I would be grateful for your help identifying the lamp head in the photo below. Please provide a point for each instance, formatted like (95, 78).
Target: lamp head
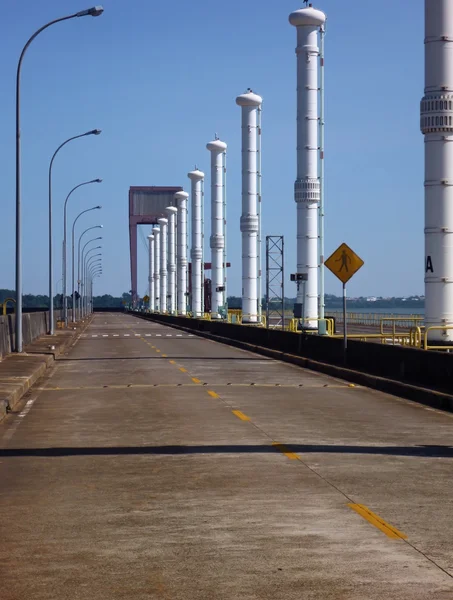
(94, 11)
(94, 132)
(98, 207)
(97, 180)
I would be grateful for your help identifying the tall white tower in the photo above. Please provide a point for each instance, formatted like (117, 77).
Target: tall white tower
(217, 240)
(437, 127)
(171, 261)
(307, 186)
(196, 253)
(181, 253)
(163, 263)
(157, 304)
(151, 273)
(250, 103)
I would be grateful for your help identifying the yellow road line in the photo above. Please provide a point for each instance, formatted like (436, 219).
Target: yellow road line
(195, 380)
(164, 356)
(213, 394)
(375, 520)
(284, 450)
(240, 415)
(172, 362)
(157, 350)
(183, 370)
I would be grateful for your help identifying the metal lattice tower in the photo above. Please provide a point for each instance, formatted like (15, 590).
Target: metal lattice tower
(275, 281)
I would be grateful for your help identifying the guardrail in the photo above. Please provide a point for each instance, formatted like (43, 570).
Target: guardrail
(396, 330)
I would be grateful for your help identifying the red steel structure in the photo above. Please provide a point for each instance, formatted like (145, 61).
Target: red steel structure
(147, 204)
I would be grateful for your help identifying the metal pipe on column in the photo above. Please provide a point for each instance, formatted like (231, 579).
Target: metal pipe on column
(151, 273)
(196, 253)
(181, 254)
(217, 149)
(307, 186)
(249, 103)
(436, 121)
(171, 259)
(157, 305)
(163, 263)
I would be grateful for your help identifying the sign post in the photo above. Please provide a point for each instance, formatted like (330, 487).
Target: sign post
(344, 263)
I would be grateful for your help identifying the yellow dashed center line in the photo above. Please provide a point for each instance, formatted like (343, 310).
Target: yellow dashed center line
(195, 380)
(172, 362)
(213, 394)
(241, 415)
(284, 450)
(376, 520)
(183, 370)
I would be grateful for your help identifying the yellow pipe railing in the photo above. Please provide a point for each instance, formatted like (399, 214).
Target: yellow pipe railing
(5, 304)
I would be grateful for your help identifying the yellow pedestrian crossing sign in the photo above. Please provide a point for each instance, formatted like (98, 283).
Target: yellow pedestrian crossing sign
(344, 263)
(146, 299)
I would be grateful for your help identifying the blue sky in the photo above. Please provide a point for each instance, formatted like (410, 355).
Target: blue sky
(161, 78)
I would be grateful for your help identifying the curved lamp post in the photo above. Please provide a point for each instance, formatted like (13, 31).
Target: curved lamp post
(75, 137)
(73, 267)
(97, 272)
(83, 275)
(95, 267)
(65, 300)
(80, 239)
(80, 275)
(95, 11)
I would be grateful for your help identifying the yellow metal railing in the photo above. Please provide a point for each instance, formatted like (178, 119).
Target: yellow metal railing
(427, 346)
(5, 304)
(293, 325)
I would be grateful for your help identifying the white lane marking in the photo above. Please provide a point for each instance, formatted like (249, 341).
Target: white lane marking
(105, 335)
(9, 434)
(158, 335)
(169, 334)
(94, 335)
(190, 335)
(137, 335)
(127, 335)
(147, 335)
(179, 335)
(116, 335)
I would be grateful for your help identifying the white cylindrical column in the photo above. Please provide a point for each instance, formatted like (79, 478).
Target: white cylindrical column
(249, 102)
(437, 126)
(171, 260)
(156, 232)
(217, 239)
(196, 252)
(163, 264)
(181, 252)
(307, 185)
(151, 273)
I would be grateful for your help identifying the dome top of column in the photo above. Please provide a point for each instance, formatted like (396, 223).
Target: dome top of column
(216, 146)
(307, 16)
(249, 99)
(195, 175)
(181, 195)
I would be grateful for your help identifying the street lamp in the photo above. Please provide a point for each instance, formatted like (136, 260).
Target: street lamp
(95, 266)
(65, 300)
(91, 132)
(95, 11)
(79, 271)
(97, 272)
(73, 268)
(82, 277)
(78, 245)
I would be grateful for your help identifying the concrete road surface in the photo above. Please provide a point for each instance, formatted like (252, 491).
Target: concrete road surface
(152, 464)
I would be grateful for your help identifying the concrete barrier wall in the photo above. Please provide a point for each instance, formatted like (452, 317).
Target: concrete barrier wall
(33, 325)
(409, 365)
